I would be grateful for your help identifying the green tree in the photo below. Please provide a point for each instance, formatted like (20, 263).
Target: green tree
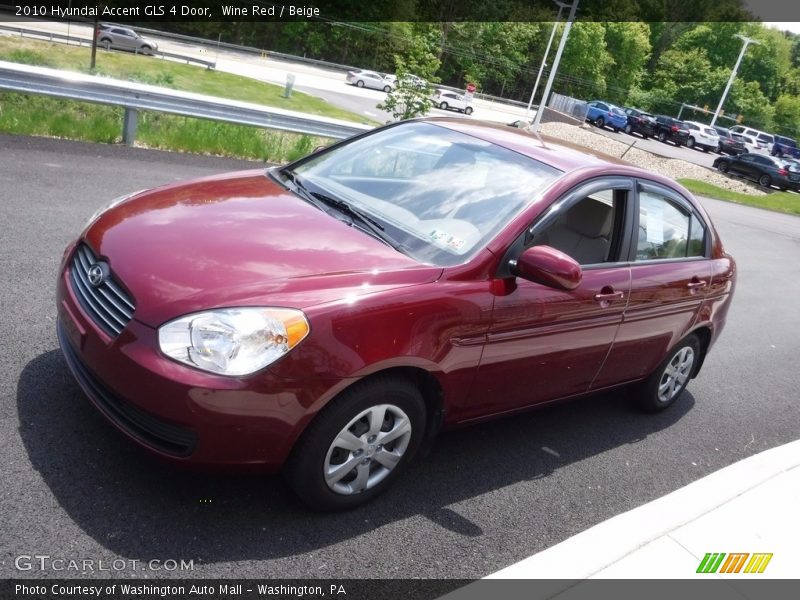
(787, 115)
(585, 61)
(628, 46)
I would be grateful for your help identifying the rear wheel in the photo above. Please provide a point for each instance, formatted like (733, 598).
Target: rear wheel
(668, 381)
(690, 142)
(600, 122)
(765, 180)
(468, 110)
(443, 106)
(723, 166)
(662, 137)
(359, 83)
(629, 129)
(387, 88)
(106, 43)
(358, 445)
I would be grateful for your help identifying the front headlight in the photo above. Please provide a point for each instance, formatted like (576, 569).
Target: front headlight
(233, 341)
(110, 205)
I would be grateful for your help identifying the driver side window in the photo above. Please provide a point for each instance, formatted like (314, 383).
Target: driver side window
(587, 230)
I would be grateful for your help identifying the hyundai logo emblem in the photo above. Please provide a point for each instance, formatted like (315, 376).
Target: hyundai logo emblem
(97, 274)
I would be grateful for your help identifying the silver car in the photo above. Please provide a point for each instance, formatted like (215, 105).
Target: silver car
(123, 38)
(369, 79)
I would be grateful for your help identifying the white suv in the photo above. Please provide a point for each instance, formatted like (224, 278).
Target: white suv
(451, 101)
(702, 136)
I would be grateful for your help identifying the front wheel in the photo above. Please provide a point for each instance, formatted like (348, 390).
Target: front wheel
(443, 106)
(600, 122)
(358, 445)
(628, 129)
(662, 137)
(387, 88)
(723, 166)
(690, 142)
(668, 381)
(765, 181)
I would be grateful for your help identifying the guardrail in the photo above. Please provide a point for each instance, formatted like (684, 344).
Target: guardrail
(51, 36)
(135, 97)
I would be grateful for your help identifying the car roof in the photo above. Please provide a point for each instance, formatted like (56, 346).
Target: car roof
(564, 156)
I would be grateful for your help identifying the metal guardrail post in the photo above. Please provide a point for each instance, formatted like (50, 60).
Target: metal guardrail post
(129, 124)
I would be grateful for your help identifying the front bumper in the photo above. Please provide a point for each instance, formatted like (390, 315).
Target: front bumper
(177, 413)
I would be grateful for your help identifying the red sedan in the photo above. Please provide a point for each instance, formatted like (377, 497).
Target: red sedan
(329, 317)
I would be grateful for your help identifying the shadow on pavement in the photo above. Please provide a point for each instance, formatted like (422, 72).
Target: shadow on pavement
(140, 508)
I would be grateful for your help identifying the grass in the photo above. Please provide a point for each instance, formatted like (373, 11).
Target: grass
(40, 115)
(784, 202)
(152, 70)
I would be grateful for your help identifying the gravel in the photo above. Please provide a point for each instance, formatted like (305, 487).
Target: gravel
(673, 168)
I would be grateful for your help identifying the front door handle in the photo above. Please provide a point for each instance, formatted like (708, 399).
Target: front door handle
(605, 297)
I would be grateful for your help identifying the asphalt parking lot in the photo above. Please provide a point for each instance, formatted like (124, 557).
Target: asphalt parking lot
(484, 498)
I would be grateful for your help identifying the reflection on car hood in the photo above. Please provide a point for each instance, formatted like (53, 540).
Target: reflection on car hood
(240, 240)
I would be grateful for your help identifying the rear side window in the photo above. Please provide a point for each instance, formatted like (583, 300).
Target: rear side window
(663, 228)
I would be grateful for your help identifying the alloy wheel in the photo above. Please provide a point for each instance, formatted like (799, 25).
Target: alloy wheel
(367, 449)
(676, 374)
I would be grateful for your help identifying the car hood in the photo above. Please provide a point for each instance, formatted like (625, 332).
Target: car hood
(240, 240)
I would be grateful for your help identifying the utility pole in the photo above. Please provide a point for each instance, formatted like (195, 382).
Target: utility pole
(747, 42)
(561, 6)
(94, 42)
(538, 118)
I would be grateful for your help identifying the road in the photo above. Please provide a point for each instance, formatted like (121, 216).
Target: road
(486, 496)
(329, 84)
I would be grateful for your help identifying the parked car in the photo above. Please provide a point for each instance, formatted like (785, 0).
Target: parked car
(344, 308)
(766, 170)
(369, 79)
(640, 122)
(761, 141)
(671, 130)
(451, 101)
(702, 136)
(604, 114)
(785, 146)
(124, 38)
(729, 143)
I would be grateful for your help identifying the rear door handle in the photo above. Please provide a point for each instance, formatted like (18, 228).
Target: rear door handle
(692, 285)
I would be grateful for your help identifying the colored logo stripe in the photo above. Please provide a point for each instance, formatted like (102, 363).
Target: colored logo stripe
(733, 564)
(758, 563)
(710, 562)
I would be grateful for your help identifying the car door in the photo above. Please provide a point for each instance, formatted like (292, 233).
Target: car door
(545, 343)
(670, 276)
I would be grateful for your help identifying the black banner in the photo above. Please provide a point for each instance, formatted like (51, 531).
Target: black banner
(155, 11)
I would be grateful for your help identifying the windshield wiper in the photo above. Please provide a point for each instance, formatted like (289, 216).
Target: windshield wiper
(318, 199)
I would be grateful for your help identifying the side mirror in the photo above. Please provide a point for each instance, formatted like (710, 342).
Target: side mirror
(317, 149)
(548, 266)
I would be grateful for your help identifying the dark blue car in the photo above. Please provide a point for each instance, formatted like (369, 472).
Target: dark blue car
(604, 114)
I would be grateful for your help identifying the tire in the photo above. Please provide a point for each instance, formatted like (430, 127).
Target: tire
(443, 106)
(106, 43)
(600, 122)
(629, 129)
(359, 83)
(765, 181)
(662, 137)
(667, 382)
(387, 88)
(690, 142)
(396, 404)
(468, 110)
(147, 50)
(723, 166)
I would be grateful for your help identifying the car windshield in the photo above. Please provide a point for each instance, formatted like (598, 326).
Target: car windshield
(618, 111)
(441, 194)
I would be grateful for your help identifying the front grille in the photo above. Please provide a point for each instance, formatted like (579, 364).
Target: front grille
(145, 427)
(107, 303)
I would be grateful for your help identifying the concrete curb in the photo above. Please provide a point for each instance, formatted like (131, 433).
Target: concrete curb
(595, 549)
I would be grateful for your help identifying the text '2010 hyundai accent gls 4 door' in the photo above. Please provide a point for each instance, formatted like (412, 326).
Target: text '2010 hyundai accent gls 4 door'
(328, 317)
